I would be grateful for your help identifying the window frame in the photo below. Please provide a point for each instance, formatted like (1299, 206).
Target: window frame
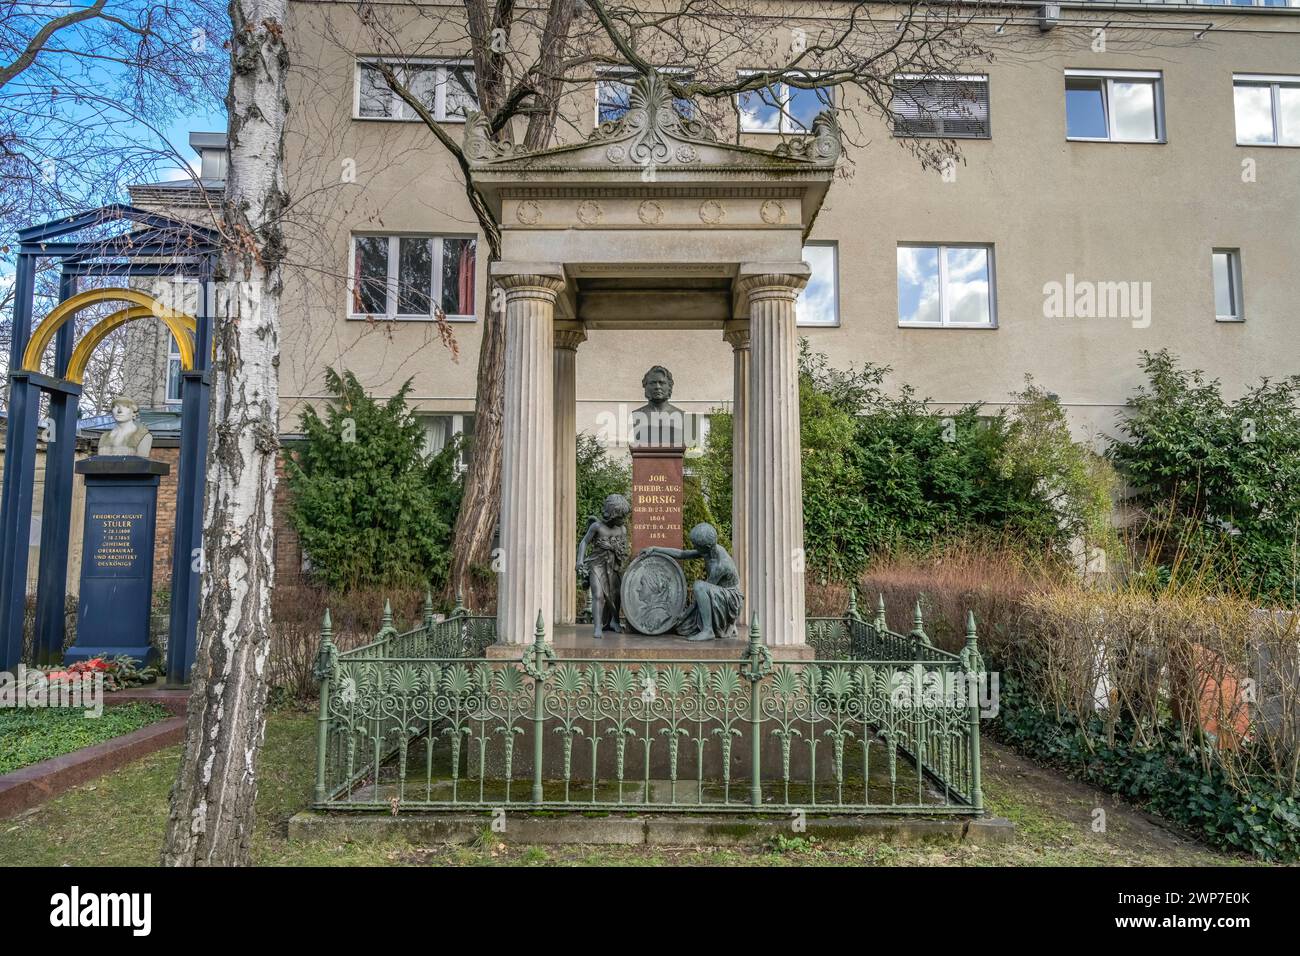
(1109, 77)
(783, 116)
(457, 428)
(391, 282)
(441, 64)
(1236, 291)
(981, 78)
(834, 246)
(944, 310)
(1273, 82)
(173, 361)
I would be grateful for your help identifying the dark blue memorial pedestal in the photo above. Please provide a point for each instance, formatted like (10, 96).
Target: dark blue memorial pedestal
(117, 559)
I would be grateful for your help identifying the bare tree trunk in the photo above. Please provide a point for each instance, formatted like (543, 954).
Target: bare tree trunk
(550, 75)
(211, 820)
(481, 500)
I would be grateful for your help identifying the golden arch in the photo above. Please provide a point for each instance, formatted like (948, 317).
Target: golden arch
(144, 306)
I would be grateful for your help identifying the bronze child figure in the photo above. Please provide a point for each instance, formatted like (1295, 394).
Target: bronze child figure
(602, 552)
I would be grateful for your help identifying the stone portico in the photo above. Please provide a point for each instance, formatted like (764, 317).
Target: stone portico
(651, 224)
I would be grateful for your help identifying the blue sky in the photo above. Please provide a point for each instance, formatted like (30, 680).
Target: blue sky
(178, 134)
(67, 96)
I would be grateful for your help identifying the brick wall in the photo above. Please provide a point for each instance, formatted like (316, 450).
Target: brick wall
(288, 549)
(165, 532)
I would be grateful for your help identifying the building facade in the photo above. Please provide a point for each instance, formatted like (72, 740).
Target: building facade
(1134, 194)
(1128, 180)
(152, 373)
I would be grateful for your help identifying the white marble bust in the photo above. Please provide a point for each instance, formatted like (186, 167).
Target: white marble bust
(127, 436)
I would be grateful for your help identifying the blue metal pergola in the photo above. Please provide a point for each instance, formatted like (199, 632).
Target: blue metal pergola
(149, 245)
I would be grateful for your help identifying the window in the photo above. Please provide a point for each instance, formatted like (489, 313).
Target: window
(445, 89)
(1114, 106)
(1251, 3)
(1268, 110)
(407, 276)
(955, 107)
(1225, 264)
(173, 371)
(818, 303)
(946, 286)
(780, 108)
(440, 429)
(614, 85)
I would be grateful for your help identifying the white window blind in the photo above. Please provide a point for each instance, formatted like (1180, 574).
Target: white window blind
(954, 107)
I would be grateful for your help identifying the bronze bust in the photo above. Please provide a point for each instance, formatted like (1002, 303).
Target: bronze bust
(658, 423)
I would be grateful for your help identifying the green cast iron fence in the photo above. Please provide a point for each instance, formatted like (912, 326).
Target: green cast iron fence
(879, 722)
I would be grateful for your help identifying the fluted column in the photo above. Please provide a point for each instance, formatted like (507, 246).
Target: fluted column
(568, 336)
(737, 336)
(526, 576)
(775, 485)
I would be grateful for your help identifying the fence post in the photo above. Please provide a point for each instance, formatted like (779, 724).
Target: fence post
(428, 609)
(974, 666)
(754, 666)
(325, 661)
(535, 666)
(918, 626)
(881, 624)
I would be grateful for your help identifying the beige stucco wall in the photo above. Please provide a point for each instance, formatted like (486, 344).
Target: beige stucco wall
(1102, 211)
(75, 526)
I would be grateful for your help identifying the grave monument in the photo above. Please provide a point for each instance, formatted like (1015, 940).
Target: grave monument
(658, 449)
(652, 223)
(117, 557)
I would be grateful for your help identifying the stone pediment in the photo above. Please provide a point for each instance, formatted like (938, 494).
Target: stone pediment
(652, 135)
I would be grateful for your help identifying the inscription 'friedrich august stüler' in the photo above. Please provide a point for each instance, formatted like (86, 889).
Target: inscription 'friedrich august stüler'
(116, 549)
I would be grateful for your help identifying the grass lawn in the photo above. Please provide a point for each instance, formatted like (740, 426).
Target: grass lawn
(30, 735)
(119, 819)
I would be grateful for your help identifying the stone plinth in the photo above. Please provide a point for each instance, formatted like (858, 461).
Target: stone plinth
(116, 594)
(576, 643)
(657, 498)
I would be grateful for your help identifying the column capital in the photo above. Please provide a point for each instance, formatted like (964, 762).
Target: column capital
(529, 279)
(569, 335)
(736, 333)
(763, 280)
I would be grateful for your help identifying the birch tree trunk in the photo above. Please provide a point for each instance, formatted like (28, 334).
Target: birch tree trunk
(211, 819)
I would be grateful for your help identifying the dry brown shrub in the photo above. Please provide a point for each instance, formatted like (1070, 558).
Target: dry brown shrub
(296, 614)
(1192, 655)
(987, 577)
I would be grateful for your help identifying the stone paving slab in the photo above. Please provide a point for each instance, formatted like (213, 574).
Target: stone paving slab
(657, 830)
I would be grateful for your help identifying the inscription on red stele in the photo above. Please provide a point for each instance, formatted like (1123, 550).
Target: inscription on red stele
(656, 499)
